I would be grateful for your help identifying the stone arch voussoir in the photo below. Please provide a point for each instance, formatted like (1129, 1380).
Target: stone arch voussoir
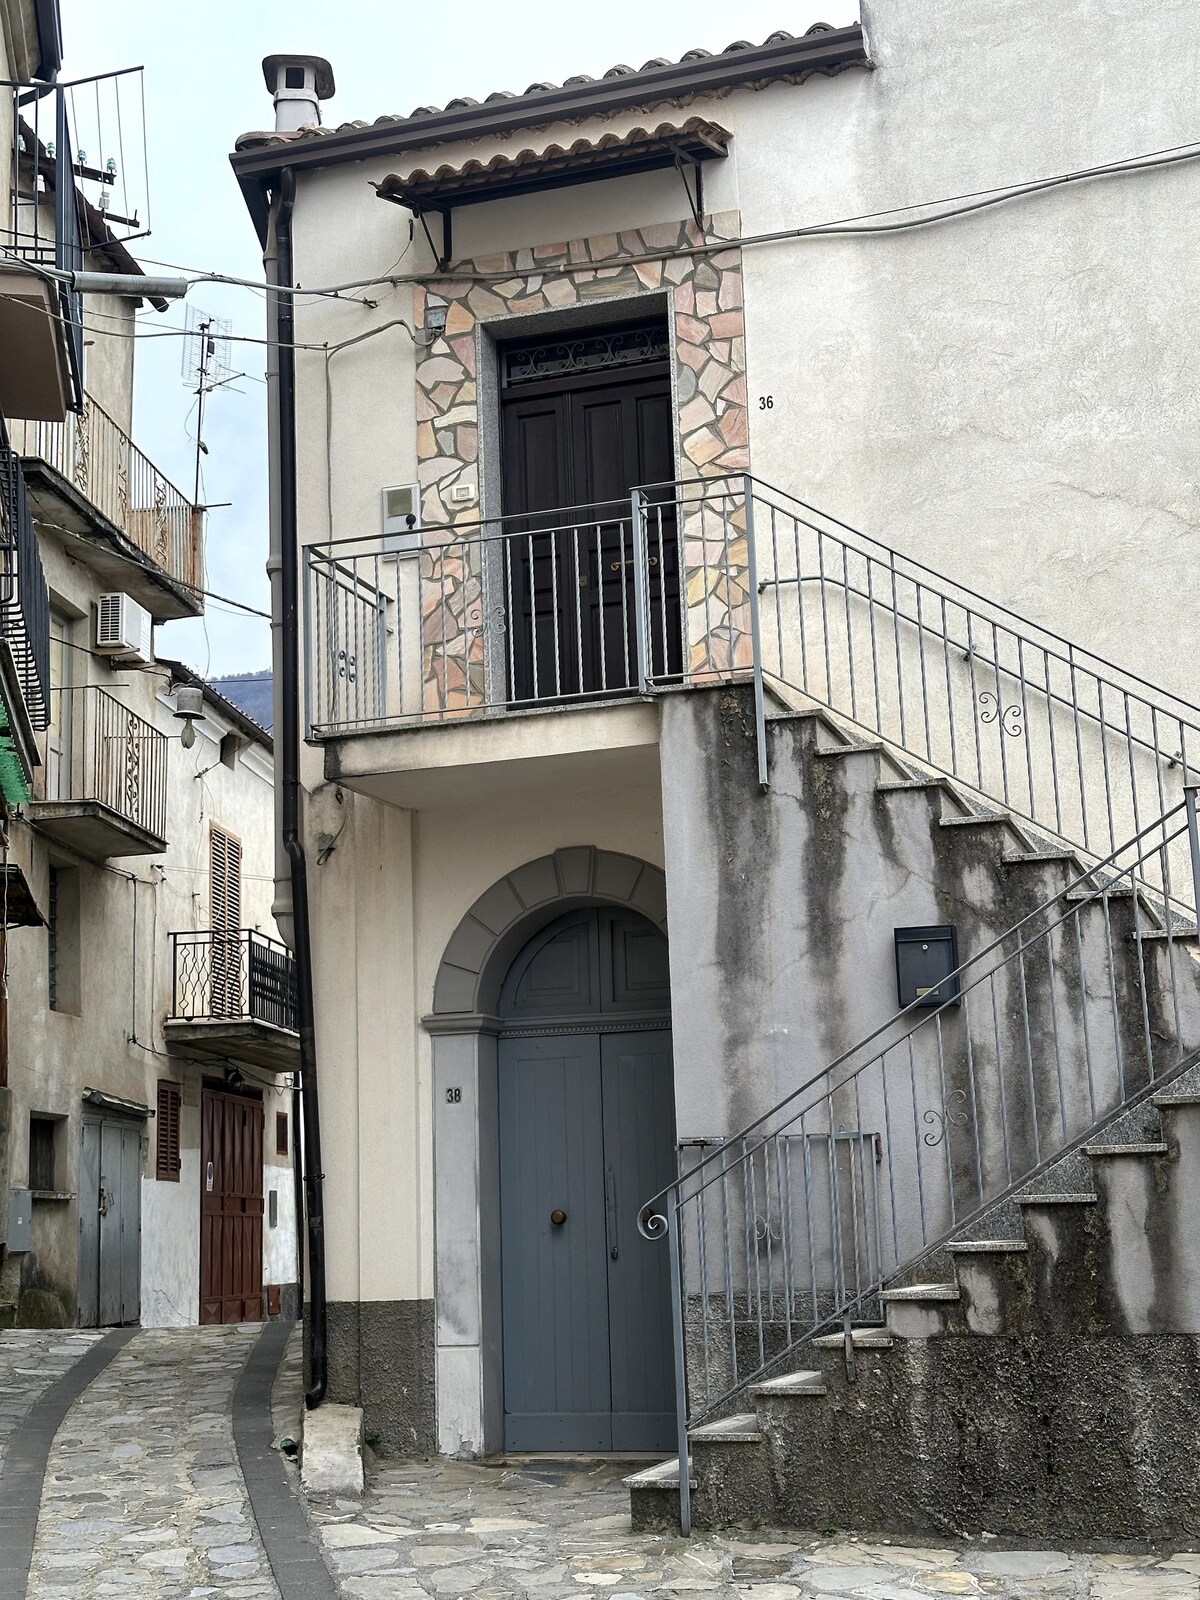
(487, 939)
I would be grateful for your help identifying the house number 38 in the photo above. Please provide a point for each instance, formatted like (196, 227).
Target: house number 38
(453, 1097)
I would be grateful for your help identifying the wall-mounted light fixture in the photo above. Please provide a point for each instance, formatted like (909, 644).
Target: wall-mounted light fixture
(189, 708)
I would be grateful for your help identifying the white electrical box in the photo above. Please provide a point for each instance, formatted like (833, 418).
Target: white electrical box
(124, 628)
(402, 518)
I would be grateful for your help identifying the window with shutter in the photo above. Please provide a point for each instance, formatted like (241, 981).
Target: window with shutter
(166, 1159)
(225, 916)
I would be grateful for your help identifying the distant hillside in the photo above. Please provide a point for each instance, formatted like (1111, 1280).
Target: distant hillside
(250, 692)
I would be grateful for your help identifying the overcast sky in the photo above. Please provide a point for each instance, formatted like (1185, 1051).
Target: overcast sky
(204, 86)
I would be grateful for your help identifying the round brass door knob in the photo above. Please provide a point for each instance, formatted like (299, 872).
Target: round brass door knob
(558, 1218)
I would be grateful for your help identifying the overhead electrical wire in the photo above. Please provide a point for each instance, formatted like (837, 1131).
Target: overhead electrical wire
(862, 225)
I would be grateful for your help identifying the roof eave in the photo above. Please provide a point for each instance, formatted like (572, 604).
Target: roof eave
(812, 53)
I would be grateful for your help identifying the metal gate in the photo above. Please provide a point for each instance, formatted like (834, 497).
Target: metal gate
(110, 1222)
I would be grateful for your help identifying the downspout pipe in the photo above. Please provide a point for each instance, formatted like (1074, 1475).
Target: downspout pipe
(288, 642)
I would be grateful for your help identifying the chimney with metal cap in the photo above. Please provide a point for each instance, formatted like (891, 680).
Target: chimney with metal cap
(299, 84)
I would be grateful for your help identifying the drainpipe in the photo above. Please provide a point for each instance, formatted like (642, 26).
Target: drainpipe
(292, 909)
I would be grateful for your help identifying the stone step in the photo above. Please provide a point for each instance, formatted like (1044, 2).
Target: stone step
(791, 1383)
(1051, 1199)
(1145, 1148)
(921, 1291)
(662, 1475)
(861, 1338)
(742, 1429)
(987, 1247)
(1172, 1102)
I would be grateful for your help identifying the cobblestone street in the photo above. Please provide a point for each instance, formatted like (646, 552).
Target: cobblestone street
(147, 1494)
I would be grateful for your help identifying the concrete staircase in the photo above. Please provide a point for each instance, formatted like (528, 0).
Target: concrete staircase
(1037, 1374)
(1039, 1377)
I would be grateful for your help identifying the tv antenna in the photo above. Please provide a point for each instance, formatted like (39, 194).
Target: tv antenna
(206, 366)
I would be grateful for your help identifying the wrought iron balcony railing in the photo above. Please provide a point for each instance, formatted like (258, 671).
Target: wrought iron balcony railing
(109, 756)
(91, 452)
(232, 977)
(24, 601)
(43, 225)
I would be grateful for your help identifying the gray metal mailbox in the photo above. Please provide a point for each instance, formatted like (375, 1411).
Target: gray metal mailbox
(20, 1210)
(925, 958)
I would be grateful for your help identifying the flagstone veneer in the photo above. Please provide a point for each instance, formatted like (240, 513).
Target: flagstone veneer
(705, 308)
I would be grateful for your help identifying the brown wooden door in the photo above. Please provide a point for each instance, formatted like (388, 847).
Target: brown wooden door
(231, 1208)
(571, 457)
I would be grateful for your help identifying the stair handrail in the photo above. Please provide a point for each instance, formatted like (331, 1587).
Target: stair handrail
(1082, 749)
(752, 1261)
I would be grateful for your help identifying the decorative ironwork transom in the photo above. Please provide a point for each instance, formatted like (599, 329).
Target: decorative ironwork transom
(533, 361)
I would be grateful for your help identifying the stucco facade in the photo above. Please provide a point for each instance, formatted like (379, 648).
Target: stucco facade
(1004, 396)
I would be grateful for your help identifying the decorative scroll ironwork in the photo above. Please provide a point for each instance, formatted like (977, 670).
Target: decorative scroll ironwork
(950, 1116)
(1009, 716)
(592, 352)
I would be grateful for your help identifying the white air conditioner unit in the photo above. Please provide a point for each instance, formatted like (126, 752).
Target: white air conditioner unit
(124, 628)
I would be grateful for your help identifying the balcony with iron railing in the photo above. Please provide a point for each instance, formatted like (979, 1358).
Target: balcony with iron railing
(24, 612)
(234, 995)
(106, 777)
(41, 319)
(431, 659)
(88, 479)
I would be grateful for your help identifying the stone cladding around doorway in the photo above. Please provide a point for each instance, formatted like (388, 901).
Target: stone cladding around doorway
(705, 303)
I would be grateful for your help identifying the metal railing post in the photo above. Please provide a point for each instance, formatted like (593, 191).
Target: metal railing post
(760, 707)
(1189, 797)
(681, 1401)
(637, 523)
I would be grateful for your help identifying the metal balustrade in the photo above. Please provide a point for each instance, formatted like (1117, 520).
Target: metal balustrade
(112, 756)
(235, 976)
(43, 222)
(24, 598)
(793, 1226)
(513, 614)
(728, 578)
(95, 455)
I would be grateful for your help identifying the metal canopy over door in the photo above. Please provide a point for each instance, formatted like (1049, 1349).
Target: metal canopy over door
(110, 1182)
(587, 1130)
(574, 446)
(231, 1207)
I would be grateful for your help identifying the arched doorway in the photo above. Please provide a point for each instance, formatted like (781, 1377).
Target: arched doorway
(586, 1125)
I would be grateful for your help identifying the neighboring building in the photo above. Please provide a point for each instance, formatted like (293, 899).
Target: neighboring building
(639, 791)
(146, 1139)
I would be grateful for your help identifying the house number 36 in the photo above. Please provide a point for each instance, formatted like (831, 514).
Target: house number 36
(453, 1096)
(766, 402)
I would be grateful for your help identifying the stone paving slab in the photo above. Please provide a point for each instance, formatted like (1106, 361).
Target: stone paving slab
(143, 1499)
(546, 1529)
(31, 1359)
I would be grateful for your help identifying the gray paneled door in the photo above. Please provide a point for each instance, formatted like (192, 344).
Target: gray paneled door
(110, 1176)
(587, 1134)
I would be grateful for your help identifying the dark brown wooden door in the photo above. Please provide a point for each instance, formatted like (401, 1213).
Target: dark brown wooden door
(571, 457)
(231, 1207)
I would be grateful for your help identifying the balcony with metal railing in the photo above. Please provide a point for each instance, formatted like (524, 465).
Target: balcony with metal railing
(106, 777)
(89, 480)
(24, 613)
(430, 659)
(234, 995)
